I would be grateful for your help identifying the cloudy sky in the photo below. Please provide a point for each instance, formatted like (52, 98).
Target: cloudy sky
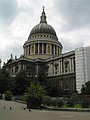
(69, 18)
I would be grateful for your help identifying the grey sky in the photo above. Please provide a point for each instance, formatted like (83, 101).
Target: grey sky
(8, 11)
(69, 18)
(76, 13)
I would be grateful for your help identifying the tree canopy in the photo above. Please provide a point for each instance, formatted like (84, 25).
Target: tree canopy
(4, 80)
(21, 83)
(85, 90)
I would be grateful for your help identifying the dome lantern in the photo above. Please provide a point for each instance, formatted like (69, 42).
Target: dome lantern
(43, 17)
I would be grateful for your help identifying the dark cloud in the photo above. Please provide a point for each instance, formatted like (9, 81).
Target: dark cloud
(75, 13)
(8, 11)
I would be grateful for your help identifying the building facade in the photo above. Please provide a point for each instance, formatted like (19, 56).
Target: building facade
(43, 51)
(82, 58)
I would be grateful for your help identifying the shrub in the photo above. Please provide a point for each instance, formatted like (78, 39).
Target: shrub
(20, 97)
(60, 103)
(46, 100)
(70, 103)
(85, 104)
(55, 102)
(34, 95)
(77, 106)
(8, 95)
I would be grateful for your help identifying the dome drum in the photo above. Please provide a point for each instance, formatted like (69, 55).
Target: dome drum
(43, 41)
(43, 36)
(40, 49)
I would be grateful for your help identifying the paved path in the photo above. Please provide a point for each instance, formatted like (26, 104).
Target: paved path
(18, 113)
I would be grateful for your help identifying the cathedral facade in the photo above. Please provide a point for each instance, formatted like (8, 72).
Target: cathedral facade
(43, 52)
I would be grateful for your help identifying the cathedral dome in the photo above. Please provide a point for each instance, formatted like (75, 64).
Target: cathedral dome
(43, 27)
(42, 42)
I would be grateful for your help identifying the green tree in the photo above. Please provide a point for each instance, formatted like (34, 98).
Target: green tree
(4, 78)
(85, 90)
(74, 97)
(8, 95)
(11, 84)
(21, 83)
(34, 95)
(41, 77)
(53, 88)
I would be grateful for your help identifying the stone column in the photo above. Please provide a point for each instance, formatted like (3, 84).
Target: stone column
(46, 48)
(31, 49)
(42, 48)
(57, 50)
(38, 48)
(50, 49)
(54, 49)
(70, 65)
(28, 49)
(61, 66)
(34, 48)
(25, 51)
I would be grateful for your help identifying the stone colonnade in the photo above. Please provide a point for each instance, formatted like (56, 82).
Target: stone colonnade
(42, 48)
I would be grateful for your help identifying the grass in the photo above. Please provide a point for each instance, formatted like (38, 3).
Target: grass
(77, 106)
